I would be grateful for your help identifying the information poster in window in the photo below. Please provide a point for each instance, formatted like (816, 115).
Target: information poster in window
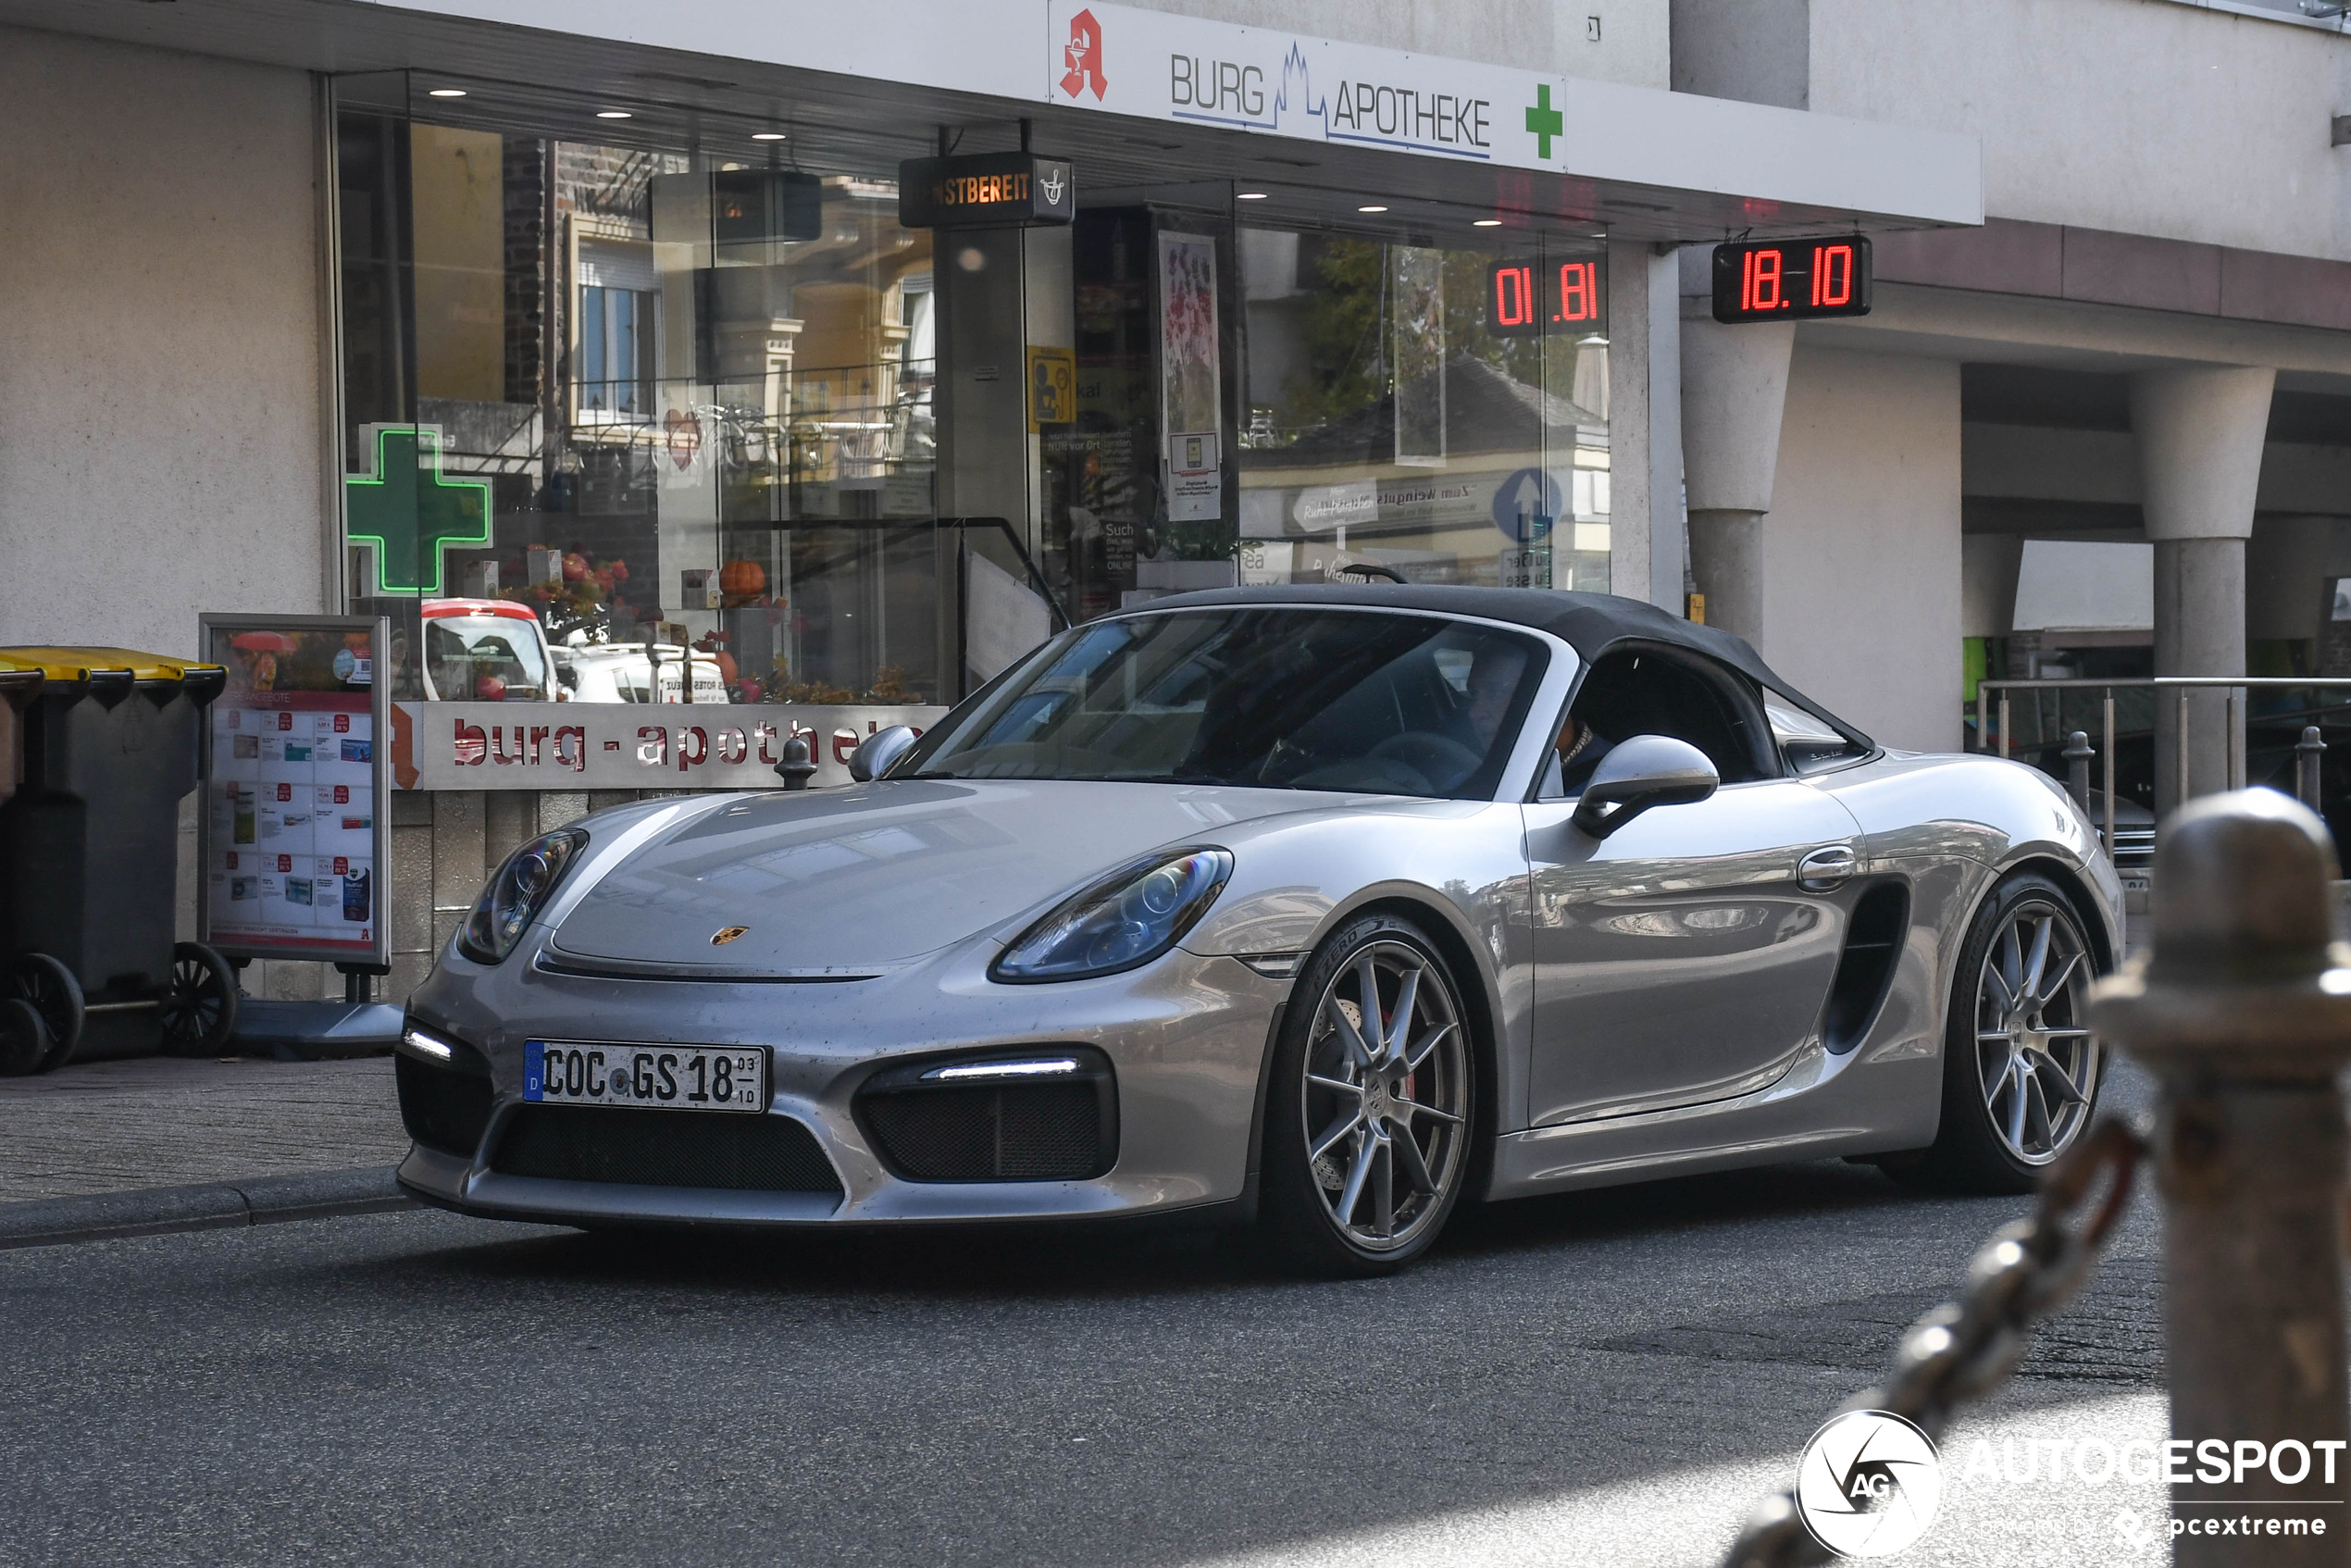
(293, 835)
(1190, 377)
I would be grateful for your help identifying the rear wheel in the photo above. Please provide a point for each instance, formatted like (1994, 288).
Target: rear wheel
(202, 1009)
(1368, 1120)
(2021, 1069)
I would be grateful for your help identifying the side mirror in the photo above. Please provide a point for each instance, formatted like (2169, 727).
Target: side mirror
(1647, 770)
(876, 752)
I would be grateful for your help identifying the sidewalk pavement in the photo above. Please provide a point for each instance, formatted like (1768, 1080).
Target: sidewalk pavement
(131, 1148)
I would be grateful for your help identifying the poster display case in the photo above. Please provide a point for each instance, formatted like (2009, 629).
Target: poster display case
(292, 836)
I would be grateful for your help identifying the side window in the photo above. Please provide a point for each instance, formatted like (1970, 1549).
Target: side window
(1810, 745)
(1644, 692)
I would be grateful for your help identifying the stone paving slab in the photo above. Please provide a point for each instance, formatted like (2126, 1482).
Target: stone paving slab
(113, 1127)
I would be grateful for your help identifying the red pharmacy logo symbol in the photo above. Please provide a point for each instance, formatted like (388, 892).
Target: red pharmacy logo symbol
(1083, 54)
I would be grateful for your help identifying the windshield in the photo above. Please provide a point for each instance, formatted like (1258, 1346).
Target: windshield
(484, 659)
(1273, 696)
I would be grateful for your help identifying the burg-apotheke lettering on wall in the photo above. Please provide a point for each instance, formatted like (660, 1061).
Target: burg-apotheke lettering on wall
(985, 190)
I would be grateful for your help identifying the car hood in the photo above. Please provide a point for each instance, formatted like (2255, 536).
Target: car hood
(861, 881)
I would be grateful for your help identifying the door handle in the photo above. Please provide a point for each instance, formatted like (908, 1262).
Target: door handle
(1825, 870)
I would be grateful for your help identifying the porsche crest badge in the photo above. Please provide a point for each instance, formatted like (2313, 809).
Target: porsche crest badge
(727, 934)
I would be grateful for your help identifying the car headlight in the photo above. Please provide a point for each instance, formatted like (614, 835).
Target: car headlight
(518, 893)
(1125, 920)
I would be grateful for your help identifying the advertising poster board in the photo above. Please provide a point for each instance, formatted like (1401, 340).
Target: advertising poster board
(294, 833)
(1190, 376)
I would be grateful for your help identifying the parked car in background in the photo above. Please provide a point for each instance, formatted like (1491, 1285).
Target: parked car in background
(486, 651)
(634, 672)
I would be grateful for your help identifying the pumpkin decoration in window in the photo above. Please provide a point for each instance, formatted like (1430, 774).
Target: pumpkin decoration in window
(742, 582)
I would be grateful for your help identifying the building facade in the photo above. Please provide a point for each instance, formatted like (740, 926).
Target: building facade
(674, 380)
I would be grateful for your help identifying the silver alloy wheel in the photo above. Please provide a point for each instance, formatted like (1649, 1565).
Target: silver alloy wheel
(2037, 1065)
(1385, 1101)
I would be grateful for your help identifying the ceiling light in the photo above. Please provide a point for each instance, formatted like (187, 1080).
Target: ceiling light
(446, 92)
(1370, 209)
(766, 136)
(1248, 195)
(614, 114)
(1486, 223)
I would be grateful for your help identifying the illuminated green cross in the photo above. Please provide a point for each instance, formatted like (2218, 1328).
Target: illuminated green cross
(1544, 122)
(410, 513)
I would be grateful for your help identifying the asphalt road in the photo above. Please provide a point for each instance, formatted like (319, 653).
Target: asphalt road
(1609, 1376)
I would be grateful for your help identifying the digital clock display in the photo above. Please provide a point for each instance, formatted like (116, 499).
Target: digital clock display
(1792, 279)
(1524, 299)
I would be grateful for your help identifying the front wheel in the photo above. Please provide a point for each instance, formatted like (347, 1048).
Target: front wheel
(201, 1012)
(2021, 1069)
(1369, 1116)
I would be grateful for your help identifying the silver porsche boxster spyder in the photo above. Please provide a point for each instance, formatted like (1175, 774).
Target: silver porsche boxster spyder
(1320, 908)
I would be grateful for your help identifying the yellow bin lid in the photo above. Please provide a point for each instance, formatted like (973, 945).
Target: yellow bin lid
(67, 664)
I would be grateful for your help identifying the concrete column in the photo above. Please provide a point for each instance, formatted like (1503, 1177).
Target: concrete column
(1647, 552)
(1734, 393)
(2199, 436)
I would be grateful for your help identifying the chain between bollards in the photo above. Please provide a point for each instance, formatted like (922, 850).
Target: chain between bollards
(2023, 1275)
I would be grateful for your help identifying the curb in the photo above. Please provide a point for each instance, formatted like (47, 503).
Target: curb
(164, 1211)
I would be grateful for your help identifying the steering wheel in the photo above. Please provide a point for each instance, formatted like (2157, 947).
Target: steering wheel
(1443, 760)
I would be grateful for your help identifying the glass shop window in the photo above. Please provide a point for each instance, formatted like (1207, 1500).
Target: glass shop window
(663, 390)
(1423, 412)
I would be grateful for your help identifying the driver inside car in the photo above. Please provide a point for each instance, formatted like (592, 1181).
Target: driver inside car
(1581, 747)
(1493, 680)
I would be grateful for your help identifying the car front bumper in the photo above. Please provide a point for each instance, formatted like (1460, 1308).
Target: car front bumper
(1186, 1036)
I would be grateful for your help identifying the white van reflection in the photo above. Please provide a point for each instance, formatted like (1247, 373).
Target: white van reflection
(486, 651)
(629, 672)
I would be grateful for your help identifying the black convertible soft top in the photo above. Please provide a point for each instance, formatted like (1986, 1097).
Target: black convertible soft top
(1590, 622)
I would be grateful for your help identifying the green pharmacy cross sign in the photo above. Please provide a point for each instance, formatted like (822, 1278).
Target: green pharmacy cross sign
(410, 513)
(1543, 121)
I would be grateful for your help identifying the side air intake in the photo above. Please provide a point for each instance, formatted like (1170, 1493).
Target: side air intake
(1873, 944)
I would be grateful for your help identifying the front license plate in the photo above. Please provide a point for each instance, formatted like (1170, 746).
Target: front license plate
(651, 1077)
(2136, 882)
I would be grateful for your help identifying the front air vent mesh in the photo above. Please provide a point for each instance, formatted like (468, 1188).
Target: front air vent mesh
(444, 1108)
(1059, 1128)
(728, 1150)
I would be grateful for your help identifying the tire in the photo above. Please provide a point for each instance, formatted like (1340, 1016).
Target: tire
(201, 1012)
(2021, 1074)
(50, 986)
(1368, 1139)
(24, 1037)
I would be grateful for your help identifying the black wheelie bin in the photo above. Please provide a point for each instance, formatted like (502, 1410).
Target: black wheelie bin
(89, 862)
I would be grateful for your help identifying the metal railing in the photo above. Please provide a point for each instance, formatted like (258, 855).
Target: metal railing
(2238, 690)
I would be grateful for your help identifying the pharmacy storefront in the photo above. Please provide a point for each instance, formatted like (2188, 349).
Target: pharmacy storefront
(710, 375)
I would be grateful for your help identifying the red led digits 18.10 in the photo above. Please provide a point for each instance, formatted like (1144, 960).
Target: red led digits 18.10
(1792, 279)
(1523, 299)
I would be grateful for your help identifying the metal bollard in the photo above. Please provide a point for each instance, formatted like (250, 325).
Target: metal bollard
(799, 763)
(2077, 768)
(2307, 754)
(2244, 1012)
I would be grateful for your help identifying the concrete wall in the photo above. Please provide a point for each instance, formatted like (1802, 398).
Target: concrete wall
(2120, 115)
(1862, 549)
(1630, 45)
(160, 342)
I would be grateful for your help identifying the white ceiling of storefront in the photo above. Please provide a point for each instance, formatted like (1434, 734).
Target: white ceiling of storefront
(522, 75)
